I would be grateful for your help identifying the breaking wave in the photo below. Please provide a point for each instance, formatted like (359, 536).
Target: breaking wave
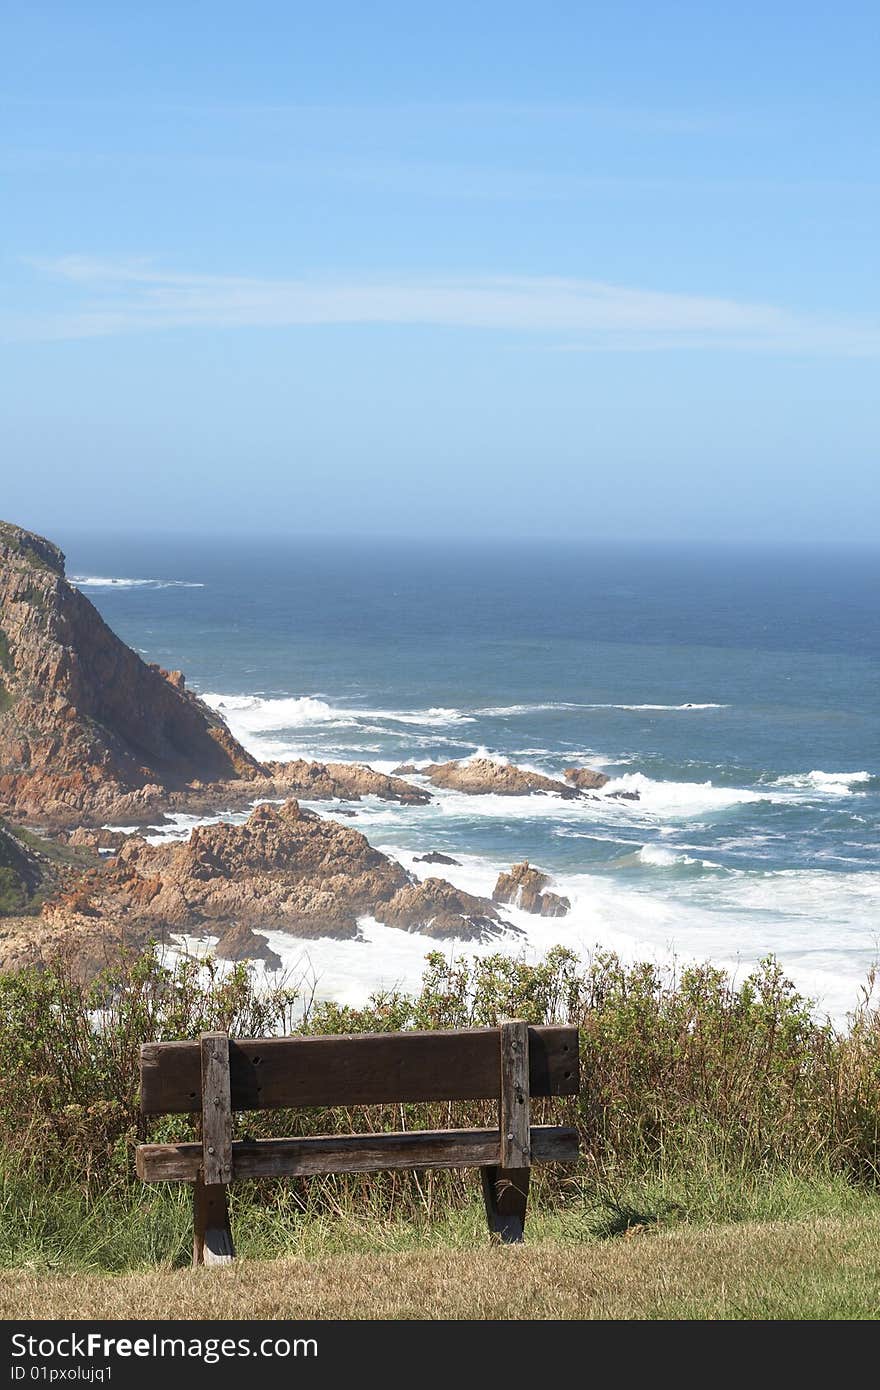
(828, 783)
(98, 581)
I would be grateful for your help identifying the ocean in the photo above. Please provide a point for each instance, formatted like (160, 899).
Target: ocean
(736, 690)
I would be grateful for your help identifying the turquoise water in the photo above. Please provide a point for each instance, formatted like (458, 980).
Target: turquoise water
(735, 690)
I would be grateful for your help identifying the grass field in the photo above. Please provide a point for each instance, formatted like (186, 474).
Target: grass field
(825, 1268)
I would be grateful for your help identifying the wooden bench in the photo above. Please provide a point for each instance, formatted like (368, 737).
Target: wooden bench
(218, 1075)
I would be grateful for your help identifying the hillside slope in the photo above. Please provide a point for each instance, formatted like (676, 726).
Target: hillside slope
(83, 720)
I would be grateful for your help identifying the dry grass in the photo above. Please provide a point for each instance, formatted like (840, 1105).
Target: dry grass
(823, 1268)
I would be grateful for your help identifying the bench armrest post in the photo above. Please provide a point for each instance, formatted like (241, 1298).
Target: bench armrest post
(515, 1099)
(216, 1110)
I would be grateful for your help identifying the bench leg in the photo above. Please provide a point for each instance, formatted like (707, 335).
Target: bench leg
(212, 1235)
(506, 1192)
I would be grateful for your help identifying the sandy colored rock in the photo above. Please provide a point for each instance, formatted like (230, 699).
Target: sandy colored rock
(525, 887)
(586, 779)
(484, 776)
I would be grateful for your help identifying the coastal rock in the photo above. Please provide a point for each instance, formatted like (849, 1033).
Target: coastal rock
(83, 720)
(525, 887)
(242, 943)
(285, 868)
(434, 857)
(624, 796)
(436, 908)
(84, 944)
(484, 776)
(100, 839)
(586, 779)
(343, 781)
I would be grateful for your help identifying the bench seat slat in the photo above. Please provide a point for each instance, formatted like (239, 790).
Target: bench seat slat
(366, 1069)
(355, 1153)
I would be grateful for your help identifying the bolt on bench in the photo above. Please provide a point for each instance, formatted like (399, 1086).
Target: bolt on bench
(218, 1075)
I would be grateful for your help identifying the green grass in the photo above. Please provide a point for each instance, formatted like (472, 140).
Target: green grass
(814, 1268)
(128, 1226)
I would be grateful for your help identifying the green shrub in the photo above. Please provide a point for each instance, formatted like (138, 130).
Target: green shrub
(697, 1096)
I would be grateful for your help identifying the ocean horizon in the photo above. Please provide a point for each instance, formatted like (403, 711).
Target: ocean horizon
(730, 692)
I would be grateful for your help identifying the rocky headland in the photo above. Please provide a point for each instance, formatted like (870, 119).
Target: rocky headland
(90, 733)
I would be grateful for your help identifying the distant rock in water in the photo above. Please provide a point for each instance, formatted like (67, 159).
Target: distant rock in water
(343, 781)
(434, 857)
(525, 887)
(83, 720)
(484, 776)
(242, 943)
(586, 779)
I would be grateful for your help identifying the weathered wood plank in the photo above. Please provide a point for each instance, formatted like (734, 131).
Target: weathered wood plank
(368, 1069)
(212, 1234)
(355, 1153)
(216, 1109)
(515, 1110)
(506, 1195)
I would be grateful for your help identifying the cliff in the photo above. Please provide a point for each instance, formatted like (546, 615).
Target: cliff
(89, 732)
(83, 720)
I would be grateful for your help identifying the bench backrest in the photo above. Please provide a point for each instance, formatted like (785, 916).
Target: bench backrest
(357, 1069)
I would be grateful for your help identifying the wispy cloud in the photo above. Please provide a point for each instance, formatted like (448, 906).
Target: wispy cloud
(105, 298)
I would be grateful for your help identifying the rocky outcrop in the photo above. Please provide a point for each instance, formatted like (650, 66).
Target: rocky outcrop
(284, 869)
(482, 776)
(525, 887)
(436, 908)
(586, 779)
(83, 720)
(343, 781)
(86, 945)
(242, 943)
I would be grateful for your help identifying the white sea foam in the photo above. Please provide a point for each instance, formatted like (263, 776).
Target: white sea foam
(656, 857)
(679, 799)
(820, 923)
(98, 581)
(250, 716)
(505, 710)
(708, 705)
(827, 783)
(734, 924)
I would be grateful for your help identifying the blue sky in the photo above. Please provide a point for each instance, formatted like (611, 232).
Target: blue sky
(566, 269)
